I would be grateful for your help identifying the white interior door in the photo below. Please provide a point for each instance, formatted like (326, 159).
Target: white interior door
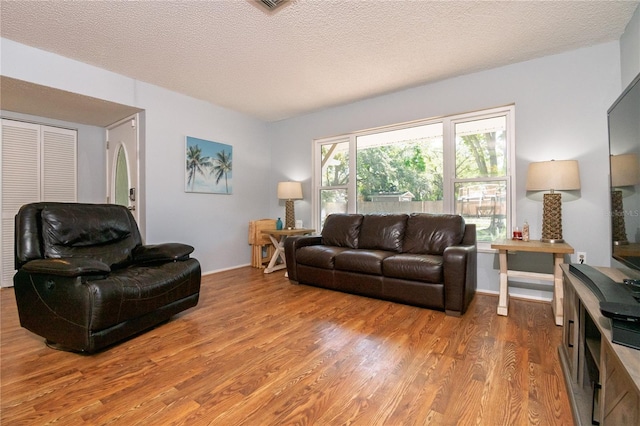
(122, 164)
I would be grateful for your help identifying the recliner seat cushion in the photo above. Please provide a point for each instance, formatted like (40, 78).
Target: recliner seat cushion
(432, 233)
(132, 292)
(415, 267)
(100, 232)
(341, 230)
(382, 232)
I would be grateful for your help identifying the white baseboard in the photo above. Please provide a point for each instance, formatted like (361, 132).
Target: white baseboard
(226, 269)
(516, 296)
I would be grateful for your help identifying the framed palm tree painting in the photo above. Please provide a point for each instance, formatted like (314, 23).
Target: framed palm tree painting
(208, 167)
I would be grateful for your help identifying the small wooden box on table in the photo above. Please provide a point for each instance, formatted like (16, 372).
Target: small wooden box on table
(559, 250)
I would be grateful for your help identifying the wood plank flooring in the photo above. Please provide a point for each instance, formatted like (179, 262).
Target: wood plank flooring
(258, 350)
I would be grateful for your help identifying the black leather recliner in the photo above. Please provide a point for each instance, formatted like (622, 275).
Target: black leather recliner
(85, 281)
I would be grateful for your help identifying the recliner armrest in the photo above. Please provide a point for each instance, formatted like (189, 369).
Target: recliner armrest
(167, 252)
(67, 267)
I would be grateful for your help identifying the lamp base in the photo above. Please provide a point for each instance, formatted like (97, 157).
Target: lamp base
(289, 215)
(552, 218)
(557, 240)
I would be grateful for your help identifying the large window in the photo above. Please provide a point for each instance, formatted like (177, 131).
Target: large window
(457, 164)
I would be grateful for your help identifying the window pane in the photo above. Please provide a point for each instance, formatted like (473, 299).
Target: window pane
(481, 148)
(121, 179)
(335, 164)
(332, 201)
(400, 170)
(485, 204)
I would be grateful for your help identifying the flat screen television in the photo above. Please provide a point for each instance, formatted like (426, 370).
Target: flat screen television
(624, 181)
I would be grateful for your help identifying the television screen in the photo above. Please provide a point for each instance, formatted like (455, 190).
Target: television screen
(624, 150)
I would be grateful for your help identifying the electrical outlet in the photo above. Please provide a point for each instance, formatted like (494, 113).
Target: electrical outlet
(581, 256)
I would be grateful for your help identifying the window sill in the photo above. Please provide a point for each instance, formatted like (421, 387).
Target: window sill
(485, 247)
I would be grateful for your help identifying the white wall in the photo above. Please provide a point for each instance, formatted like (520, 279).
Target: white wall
(630, 50)
(561, 103)
(216, 225)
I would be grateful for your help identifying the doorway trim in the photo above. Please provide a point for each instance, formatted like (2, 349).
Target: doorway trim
(133, 162)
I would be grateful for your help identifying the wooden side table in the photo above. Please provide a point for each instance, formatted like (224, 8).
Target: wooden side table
(557, 249)
(277, 237)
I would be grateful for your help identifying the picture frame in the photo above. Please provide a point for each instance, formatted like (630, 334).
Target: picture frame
(208, 166)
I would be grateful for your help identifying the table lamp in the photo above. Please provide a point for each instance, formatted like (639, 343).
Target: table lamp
(553, 176)
(289, 191)
(624, 173)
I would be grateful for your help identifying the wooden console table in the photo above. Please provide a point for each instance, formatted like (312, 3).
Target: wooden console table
(602, 377)
(557, 249)
(277, 237)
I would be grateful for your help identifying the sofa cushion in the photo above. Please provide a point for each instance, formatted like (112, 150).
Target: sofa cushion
(416, 267)
(100, 232)
(363, 261)
(432, 233)
(382, 232)
(318, 256)
(341, 230)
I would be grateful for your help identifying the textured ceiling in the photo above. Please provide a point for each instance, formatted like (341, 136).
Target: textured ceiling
(307, 55)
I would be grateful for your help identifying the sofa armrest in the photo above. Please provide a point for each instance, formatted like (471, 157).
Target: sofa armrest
(67, 267)
(167, 252)
(460, 277)
(291, 245)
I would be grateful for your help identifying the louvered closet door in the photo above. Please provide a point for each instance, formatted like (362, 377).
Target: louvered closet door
(20, 182)
(59, 180)
(38, 164)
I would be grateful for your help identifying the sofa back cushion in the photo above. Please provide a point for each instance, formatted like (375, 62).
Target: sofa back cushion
(341, 230)
(105, 232)
(432, 233)
(382, 232)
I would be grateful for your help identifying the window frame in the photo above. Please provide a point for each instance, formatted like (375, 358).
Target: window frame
(449, 178)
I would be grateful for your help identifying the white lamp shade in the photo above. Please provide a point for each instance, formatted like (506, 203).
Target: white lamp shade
(290, 190)
(553, 175)
(624, 170)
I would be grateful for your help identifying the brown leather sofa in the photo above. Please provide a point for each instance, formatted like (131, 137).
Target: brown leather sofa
(421, 259)
(86, 281)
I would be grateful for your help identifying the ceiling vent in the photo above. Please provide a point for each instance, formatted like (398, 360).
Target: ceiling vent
(272, 4)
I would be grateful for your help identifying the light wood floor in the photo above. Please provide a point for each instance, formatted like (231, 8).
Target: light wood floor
(258, 350)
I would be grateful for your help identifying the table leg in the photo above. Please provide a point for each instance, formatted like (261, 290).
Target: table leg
(278, 253)
(558, 292)
(503, 300)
